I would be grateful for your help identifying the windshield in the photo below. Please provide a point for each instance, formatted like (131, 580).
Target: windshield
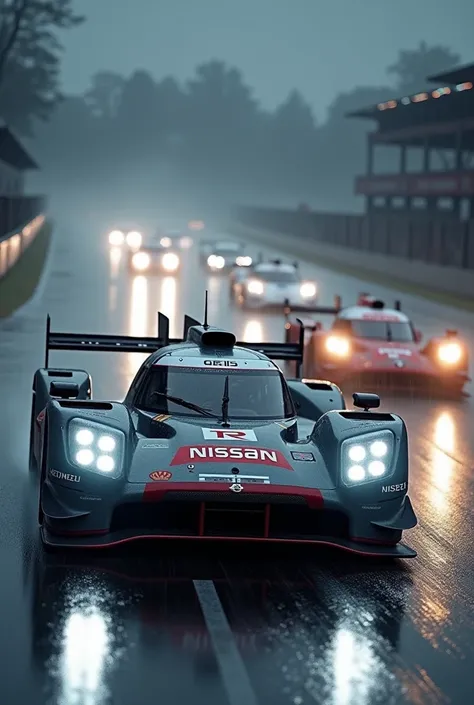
(278, 276)
(383, 330)
(228, 247)
(252, 393)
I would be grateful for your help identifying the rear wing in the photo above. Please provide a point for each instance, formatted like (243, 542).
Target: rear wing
(321, 310)
(95, 342)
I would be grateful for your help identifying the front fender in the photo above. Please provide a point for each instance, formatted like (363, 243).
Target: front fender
(334, 427)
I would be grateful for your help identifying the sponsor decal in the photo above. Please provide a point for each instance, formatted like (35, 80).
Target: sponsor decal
(88, 498)
(227, 434)
(395, 352)
(64, 476)
(252, 479)
(305, 456)
(381, 317)
(155, 445)
(220, 363)
(226, 454)
(161, 417)
(161, 475)
(399, 363)
(371, 506)
(395, 488)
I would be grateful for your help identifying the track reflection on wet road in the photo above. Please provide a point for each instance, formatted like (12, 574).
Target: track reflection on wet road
(225, 625)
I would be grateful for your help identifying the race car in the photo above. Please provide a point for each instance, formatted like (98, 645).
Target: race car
(210, 443)
(370, 344)
(173, 238)
(274, 283)
(222, 255)
(130, 237)
(152, 259)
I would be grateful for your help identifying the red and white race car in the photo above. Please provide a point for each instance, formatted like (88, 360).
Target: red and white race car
(373, 346)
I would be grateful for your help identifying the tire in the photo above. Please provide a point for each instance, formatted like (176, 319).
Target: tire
(32, 464)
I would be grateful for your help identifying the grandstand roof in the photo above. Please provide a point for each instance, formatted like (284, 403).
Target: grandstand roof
(13, 153)
(461, 74)
(439, 113)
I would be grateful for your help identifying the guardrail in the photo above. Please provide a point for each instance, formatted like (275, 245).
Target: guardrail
(443, 241)
(20, 220)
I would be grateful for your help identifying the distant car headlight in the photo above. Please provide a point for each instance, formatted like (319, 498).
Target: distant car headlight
(367, 458)
(170, 262)
(116, 238)
(134, 239)
(96, 448)
(141, 261)
(186, 242)
(216, 262)
(449, 353)
(165, 242)
(338, 346)
(308, 290)
(255, 287)
(243, 261)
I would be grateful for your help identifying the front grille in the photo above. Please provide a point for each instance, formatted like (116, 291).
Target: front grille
(235, 518)
(393, 380)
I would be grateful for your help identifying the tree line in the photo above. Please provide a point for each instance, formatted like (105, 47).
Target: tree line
(210, 131)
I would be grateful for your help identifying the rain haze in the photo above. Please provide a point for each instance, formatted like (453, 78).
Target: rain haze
(144, 86)
(282, 520)
(320, 47)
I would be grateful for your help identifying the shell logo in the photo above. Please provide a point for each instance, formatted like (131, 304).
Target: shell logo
(161, 475)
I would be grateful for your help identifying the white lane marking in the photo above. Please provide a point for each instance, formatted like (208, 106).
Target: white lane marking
(233, 672)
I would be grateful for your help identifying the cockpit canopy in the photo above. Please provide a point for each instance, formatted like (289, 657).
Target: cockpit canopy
(253, 393)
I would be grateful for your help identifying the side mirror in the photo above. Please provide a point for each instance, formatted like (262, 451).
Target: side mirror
(418, 336)
(64, 390)
(365, 401)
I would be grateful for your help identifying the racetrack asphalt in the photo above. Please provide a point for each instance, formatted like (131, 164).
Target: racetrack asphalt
(231, 625)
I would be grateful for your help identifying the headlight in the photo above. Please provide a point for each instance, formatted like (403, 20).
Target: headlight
(165, 242)
(141, 261)
(255, 287)
(308, 290)
(96, 448)
(367, 458)
(243, 261)
(116, 238)
(449, 353)
(216, 262)
(186, 242)
(134, 239)
(337, 346)
(170, 262)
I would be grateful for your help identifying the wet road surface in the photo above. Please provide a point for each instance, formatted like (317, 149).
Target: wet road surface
(236, 626)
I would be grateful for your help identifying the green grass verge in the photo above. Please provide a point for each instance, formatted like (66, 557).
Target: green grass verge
(19, 284)
(295, 246)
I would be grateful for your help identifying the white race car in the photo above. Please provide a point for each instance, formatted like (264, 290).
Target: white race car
(273, 284)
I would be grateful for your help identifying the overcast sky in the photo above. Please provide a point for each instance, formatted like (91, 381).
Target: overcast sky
(318, 46)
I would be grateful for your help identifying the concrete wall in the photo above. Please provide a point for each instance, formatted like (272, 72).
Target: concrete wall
(451, 280)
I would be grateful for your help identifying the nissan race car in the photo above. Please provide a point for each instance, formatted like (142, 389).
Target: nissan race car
(222, 255)
(274, 283)
(369, 344)
(212, 442)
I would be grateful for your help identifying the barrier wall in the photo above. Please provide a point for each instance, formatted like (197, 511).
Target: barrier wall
(438, 255)
(20, 220)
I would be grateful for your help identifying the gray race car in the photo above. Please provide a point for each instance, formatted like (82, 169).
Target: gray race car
(212, 442)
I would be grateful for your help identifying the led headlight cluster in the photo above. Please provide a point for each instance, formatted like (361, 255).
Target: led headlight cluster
(95, 447)
(367, 458)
